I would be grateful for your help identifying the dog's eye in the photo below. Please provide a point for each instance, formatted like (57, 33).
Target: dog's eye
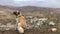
(18, 13)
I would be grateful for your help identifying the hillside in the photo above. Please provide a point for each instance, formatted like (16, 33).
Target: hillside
(30, 10)
(7, 16)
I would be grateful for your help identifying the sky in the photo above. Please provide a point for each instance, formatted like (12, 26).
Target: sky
(40, 3)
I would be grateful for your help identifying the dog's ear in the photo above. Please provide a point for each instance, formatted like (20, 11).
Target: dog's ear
(15, 13)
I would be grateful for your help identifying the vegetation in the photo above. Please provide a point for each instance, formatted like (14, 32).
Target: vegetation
(50, 13)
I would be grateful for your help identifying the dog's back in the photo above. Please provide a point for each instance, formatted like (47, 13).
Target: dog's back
(22, 20)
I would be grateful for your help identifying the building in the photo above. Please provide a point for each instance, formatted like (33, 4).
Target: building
(43, 19)
(52, 23)
(53, 29)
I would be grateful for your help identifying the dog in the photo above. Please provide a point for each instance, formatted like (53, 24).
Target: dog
(21, 22)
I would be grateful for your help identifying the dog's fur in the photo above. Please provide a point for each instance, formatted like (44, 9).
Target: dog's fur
(21, 22)
(20, 29)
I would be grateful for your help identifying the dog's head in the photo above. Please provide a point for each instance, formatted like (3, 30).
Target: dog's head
(16, 13)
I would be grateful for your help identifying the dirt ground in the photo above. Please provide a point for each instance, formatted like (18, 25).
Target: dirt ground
(30, 31)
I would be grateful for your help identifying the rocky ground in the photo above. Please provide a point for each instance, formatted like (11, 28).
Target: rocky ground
(30, 31)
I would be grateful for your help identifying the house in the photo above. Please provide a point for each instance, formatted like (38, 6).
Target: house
(53, 29)
(29, 19)
(43, 19)
(51, 23)
(30, 27)
(35, 19)
(39, 23)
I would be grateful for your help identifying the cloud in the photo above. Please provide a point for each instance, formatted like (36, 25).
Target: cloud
(43, 3)
(29, 0)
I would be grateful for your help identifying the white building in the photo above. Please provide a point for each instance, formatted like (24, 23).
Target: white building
(53, 29)
(51, 23)
(43, 19)
(35, 19)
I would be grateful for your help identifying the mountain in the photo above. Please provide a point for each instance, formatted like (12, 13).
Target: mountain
(50, 12)
(6, 15)
(33, 10)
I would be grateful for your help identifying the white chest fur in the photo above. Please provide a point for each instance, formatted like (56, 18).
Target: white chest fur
(20, 29)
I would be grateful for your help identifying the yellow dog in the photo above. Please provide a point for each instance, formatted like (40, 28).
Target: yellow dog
(21, 22)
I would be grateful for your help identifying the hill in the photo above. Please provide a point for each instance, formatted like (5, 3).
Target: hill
(32, 10)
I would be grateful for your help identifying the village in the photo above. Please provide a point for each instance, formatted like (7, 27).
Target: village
(29, 17)
(35, 22)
